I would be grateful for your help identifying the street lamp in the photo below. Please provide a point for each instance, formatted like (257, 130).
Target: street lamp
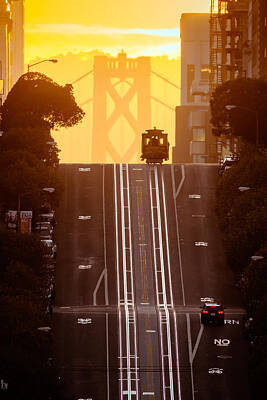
(244, 188)
(232, 106)
(256, 258)
(53, 60)
(52, 143)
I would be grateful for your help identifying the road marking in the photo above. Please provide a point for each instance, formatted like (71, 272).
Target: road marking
(175, 194)
(105, 239)
(139, 180)
(84, 321)
(224, 356)
(144, 304)
(148, 393)
(129, 391)
(86, 399)
(205, 299)
(150, 331)
(84, 169)
(204, 244)
(128, 293)
(98, 284)
(194, 196)
(107, 342)
(215, 370)
(89, 266)
(84, 217)
(222, 342)
(166, 234)
(64, 307)
(231, 321)
(137, 169)
(197, 342)
(167, 382)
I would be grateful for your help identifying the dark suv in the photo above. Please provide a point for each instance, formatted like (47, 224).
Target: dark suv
(212, 313)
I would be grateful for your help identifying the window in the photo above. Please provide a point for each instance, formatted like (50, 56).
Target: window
(204, 73)
(1, 86)
(190, 79)
(199, 134)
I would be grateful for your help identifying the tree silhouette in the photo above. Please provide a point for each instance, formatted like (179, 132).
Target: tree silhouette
(250, 98)
(36, 100)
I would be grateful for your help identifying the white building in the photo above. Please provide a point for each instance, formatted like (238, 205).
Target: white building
(193, 142)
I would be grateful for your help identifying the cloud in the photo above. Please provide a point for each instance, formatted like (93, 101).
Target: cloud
(74, 29)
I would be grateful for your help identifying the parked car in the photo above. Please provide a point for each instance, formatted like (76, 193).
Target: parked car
(47, 217)
(46, 235)
(212, 313)
(227, 164)
(52, 248)
(41, 227)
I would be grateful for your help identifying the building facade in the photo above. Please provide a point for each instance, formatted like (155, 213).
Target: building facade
(5, 53)
(257, 39)
(11, 44)
(193, 142)
(238, 48)
(17, 40)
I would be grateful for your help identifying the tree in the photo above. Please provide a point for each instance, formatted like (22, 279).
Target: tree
(23, 248)
(23, 176)
(33, 140)
(241, 214)
(250, 97)
(36, 101)
(253, 284)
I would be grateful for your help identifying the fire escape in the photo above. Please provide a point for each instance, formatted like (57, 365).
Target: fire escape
(228, 35)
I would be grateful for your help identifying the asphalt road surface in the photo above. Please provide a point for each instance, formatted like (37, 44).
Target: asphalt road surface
(139, 251)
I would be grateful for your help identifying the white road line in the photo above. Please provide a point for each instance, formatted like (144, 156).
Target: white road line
(97, 286)
(128, 302)
(177, 229)
(118, 280)
(105, 239)
(164, 313)
(189, 339)
(170, 278)
(107, 341)
(181, 183)
(167, 236)
(160, 238)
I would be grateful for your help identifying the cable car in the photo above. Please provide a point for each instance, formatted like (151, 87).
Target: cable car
(155, 146)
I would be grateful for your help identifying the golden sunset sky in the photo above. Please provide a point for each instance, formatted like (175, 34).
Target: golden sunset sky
(71, 31)
(143, 27)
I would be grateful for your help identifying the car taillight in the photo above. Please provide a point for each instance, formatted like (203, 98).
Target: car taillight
(205, 312)
(220, 312)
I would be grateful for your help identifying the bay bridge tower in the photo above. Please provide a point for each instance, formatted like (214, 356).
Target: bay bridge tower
(133, 103)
